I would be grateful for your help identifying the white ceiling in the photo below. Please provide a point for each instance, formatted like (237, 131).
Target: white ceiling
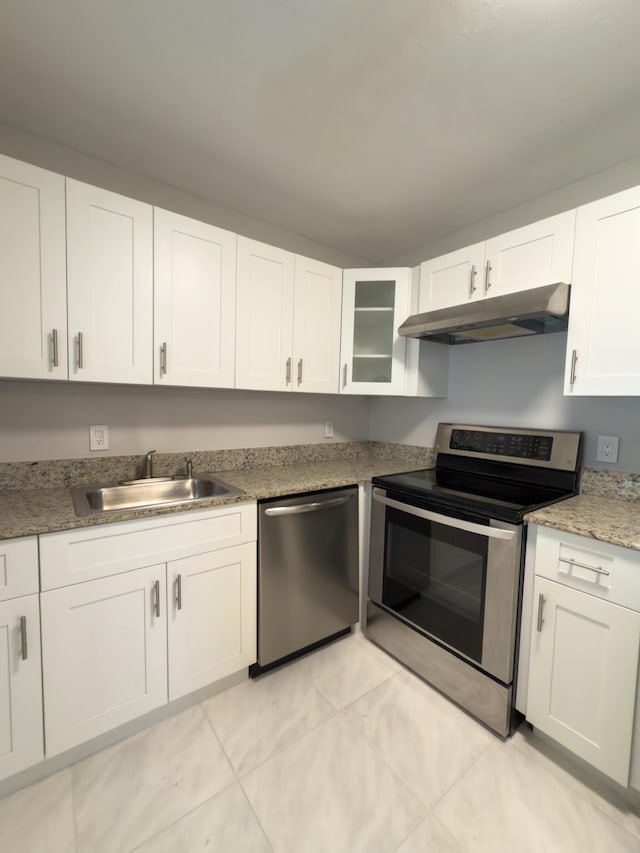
(371, 126)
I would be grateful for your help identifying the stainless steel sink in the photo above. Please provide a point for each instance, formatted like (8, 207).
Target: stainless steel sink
(153, 491)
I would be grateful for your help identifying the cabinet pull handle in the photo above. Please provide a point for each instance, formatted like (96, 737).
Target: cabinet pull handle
(80, 351)
(300, 372)
(54, 347)
(344, 376)
(288, 372)
(540, 609)
(179, 591)
(23, 637)
(487, 280)
(156, 598)
(163, 359)
(571, 562)
(472, 284)
(574, 358)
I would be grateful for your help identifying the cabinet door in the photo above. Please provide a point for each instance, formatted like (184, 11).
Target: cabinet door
(264, 322)
(374, 303)
(104, 654)
(110, 287)
(33, 275)
(538, 254)
(603, 345)
(21, 740)
(212, 617)
(452, 279)
(582, 677)
(194, 302)
(316, 326)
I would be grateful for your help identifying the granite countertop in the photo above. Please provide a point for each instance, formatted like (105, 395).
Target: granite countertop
(596, 516)
(25, 512)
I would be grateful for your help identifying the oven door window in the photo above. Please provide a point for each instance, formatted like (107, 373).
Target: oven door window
(435, 577)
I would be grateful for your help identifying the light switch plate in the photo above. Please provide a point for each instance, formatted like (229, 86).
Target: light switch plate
(98, 437)
(328, 429)
(607, 448)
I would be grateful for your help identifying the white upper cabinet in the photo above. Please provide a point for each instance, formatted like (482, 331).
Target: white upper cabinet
(110, 286)
(264, 322)
(288, 321)
(194, 302)
(452, 279)
(374, 303)
(532, 256)
(603, 346)
(33, 288)
(317, 307)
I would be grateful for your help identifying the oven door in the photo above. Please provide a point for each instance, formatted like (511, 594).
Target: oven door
(454, 577)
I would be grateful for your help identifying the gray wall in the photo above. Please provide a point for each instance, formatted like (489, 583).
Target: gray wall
(49, 155)
(49, 420)
(513, 383)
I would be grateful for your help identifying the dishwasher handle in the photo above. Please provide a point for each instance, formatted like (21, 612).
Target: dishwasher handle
(310, 507)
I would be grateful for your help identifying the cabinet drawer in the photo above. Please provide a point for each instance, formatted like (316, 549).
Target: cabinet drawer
(73, 556)
(18, 567)
(598, 568)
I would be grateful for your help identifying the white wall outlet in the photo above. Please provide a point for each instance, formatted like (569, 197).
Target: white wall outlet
(607, 448)
(98, 437)
(328, 429)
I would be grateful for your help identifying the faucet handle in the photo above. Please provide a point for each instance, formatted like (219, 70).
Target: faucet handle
(189, 467)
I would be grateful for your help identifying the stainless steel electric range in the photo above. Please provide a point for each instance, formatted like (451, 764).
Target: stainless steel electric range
(447, 553)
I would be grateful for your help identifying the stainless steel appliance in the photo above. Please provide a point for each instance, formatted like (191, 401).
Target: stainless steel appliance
(307, 572)
(446, 557)
(538, 311)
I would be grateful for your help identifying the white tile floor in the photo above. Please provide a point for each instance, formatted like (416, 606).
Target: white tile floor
(340, 751)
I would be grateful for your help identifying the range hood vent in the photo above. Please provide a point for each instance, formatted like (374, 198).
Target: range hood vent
(538, 311)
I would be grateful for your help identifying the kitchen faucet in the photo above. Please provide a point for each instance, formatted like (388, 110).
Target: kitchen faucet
(147, 472)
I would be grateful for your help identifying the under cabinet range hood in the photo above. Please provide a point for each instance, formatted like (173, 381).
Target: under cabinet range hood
(530, 312)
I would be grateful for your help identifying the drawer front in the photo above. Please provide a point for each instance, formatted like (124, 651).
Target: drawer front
(86, 554)
(18, 567)
(597, 568)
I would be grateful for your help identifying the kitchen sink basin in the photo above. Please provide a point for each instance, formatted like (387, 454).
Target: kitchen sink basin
(153, 491)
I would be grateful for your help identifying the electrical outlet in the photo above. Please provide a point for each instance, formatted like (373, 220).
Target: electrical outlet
(98, 437)
(328, 429)
(607, 448)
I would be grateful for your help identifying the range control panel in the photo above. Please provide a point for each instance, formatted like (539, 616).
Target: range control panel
(517, 445)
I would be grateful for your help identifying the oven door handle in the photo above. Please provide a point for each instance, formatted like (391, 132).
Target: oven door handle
(447, 520)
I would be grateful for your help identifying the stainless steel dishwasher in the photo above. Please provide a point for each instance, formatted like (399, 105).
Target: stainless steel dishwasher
(307, 572)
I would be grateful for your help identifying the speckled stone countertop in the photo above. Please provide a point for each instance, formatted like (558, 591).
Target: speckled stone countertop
(596, 516)
(24, 512)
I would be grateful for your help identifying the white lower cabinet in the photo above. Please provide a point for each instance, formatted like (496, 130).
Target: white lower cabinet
(138, 613)
(104, 654)
(584, 649)
(21, 742)
(212, 617)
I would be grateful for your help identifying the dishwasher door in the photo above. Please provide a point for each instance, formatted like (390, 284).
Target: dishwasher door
(307, 570)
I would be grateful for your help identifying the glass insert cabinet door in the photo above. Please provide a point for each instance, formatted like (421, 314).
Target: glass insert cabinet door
(375, 303)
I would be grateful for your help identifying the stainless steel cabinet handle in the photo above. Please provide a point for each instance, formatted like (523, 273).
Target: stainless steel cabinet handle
(23, 637)
(571, 562)
(540, 609)
(54, 347)
(156, 598)
(574, 359)
(163, 359)
(487, 280)
(310, 507)
(300, 372)
(179, 591)
(344, 376)
(80, 352)
(288, 372)
(472, 284)
(448, 521)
